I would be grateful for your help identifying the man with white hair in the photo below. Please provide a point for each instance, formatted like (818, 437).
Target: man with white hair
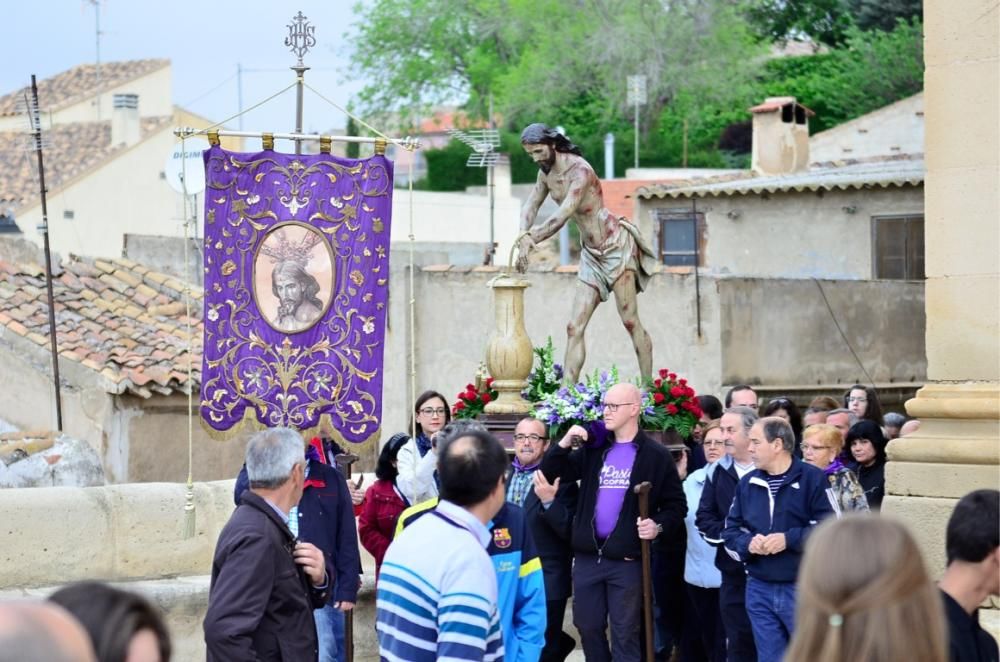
(265, 583)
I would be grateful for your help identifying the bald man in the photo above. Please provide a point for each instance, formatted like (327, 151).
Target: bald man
(41, 632)
(607, 528)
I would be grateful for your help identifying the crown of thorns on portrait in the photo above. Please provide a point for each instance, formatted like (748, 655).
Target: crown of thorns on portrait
(293, 286)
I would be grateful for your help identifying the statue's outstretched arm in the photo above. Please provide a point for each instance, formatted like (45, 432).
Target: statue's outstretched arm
(534, 202)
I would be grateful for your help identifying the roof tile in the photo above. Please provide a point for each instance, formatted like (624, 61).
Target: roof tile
(113, 332)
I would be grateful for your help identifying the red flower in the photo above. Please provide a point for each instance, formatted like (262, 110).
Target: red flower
(689, 392)
(470, 387)
(672, 376)
(658, 383)
(489, 382)
(687, 404)
(459, 406)
(663, 373)
(463, 396)
(697, 412)
(471, 394)
(486, 398)
(671, 409)
(658, 398)
(682, 382)
(676, 391)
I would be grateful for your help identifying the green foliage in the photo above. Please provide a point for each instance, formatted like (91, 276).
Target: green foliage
(824, 21)
(565, 63)
(446, 169)
(884, 14)
(353, 149)
(872, 70)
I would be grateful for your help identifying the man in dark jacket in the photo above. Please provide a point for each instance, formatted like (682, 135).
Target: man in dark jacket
(265, 583)
(607, 528)
(973, 549)
(548, 509)
(324, 517)
(775, 508)
(721, 480)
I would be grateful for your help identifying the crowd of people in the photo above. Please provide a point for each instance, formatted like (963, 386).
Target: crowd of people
(762, 530)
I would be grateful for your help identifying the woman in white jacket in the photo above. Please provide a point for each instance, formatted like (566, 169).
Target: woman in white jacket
(703, 636)
(417, 459)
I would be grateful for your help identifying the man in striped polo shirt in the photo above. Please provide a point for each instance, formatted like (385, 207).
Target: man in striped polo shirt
(774, 509)
(437, 594)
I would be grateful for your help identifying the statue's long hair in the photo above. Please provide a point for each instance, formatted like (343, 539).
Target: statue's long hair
(541, 134)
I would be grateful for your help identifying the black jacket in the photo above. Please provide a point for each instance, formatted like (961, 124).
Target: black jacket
(326, 519)
(260, 602)
(550, 528)
(716, 499)
(667, 504)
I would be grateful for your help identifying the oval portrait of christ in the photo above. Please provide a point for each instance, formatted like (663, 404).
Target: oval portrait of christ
(293, 277)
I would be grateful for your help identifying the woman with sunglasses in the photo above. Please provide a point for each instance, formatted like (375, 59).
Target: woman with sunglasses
(384, 502)
(416, 461)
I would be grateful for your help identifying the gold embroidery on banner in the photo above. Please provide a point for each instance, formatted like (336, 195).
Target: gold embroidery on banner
(305, 379)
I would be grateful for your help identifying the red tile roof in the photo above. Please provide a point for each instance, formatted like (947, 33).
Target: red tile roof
(70, 150)
(115, 317)
(619, 194)
(80, 82)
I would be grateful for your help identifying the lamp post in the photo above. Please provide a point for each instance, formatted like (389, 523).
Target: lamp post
(636, 98)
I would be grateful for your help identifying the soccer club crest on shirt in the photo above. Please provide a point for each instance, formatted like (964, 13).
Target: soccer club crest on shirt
(501, 538)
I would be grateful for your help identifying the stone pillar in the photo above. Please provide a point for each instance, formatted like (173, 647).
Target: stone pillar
(957, 448)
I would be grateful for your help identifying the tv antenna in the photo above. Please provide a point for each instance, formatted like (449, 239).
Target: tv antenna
(35, 122)
(484, 143)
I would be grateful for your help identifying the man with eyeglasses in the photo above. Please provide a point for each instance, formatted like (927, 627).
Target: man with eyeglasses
(721, 480)
(774, 510)
(548, 509)
(607, 529)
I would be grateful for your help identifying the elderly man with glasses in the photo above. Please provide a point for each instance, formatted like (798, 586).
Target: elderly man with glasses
(607, 529)
(548, 509)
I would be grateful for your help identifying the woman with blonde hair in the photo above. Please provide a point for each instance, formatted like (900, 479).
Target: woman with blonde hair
(864, 594)
(821, 446)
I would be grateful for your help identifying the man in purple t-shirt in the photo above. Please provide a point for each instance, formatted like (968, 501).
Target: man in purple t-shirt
(607, 528)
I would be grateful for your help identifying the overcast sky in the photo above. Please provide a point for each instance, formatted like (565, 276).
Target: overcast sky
(204, 39)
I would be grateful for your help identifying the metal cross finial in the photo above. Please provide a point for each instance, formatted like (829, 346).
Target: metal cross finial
(301, 36)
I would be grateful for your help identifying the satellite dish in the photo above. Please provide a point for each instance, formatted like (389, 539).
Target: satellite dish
(185, 159)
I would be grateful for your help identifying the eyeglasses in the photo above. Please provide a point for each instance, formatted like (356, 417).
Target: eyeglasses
(613, 406)
(857, 399)
(533, 438)
(711, 444)
(430, 411)
(807, 447)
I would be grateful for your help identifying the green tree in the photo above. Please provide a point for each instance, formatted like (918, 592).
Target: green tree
(560, 61)
(823, 21)
(353, 149)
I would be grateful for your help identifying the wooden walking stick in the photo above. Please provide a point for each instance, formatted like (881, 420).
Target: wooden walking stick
(344, 462)
(642, 490)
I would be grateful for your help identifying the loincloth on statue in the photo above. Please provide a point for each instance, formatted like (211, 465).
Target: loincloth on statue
(623, 251)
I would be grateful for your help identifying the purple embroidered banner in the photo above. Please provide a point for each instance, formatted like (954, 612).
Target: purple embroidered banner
(296, 283)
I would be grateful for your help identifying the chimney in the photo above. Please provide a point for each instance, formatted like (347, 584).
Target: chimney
(125, 120)
(780, 136)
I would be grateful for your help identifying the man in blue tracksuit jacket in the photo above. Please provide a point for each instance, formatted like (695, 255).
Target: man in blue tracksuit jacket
(520, 584)
(774, 510)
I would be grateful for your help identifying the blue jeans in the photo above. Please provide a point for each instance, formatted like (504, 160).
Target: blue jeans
(771, 608)
(330, 632)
